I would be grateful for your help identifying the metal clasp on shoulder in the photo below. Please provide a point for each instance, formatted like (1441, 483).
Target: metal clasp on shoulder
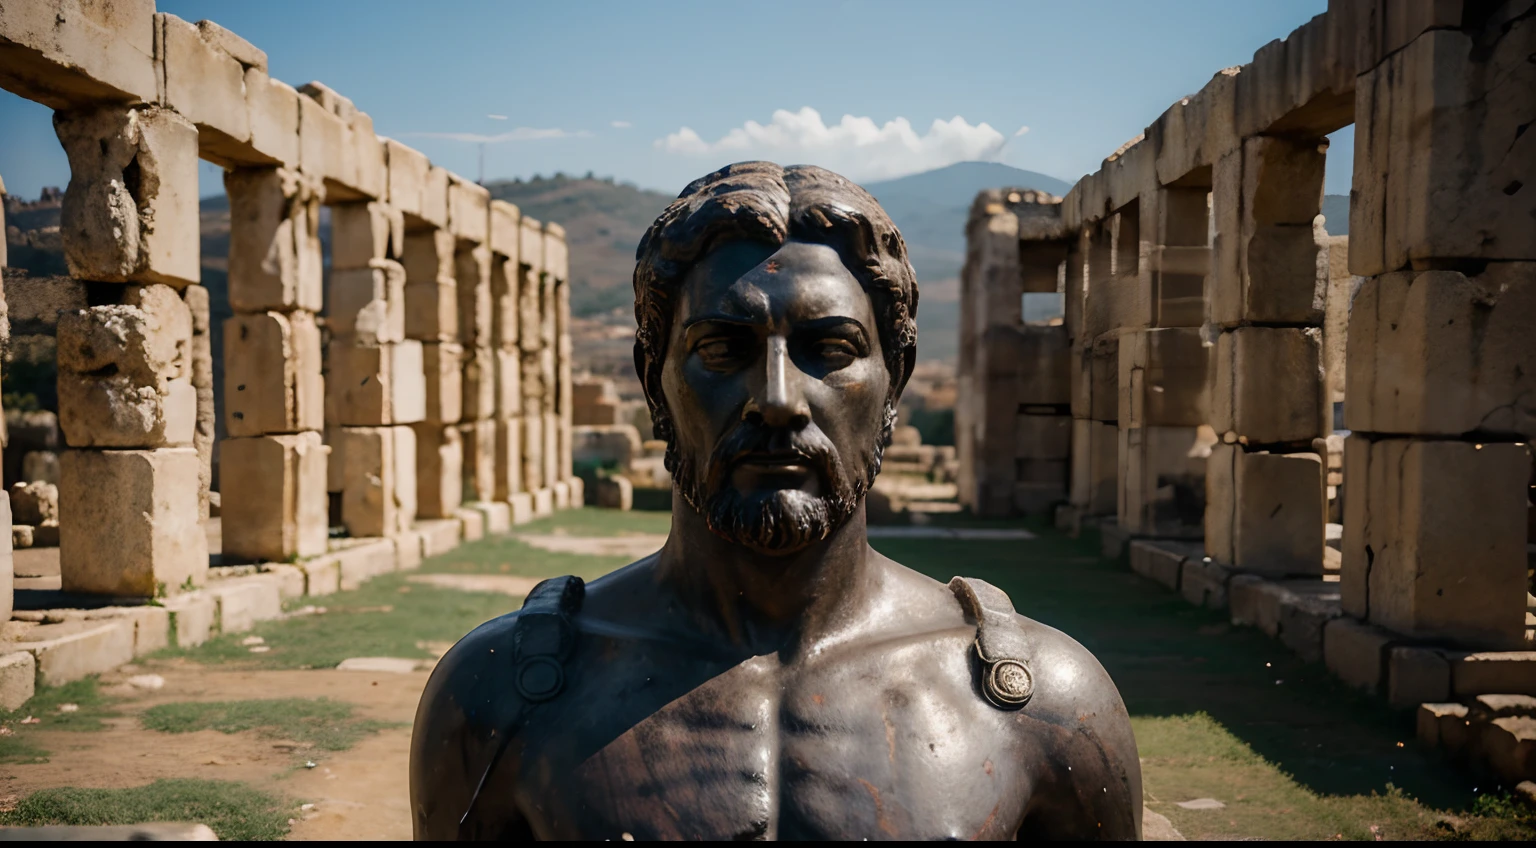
(1005, 681)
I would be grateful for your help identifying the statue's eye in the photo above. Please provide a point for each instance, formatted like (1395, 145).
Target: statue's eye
(717, 351)
(840, 351)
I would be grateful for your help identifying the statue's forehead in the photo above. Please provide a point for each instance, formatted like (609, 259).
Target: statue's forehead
(761, 283)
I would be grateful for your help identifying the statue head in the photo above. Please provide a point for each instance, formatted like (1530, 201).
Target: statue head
(776, 311)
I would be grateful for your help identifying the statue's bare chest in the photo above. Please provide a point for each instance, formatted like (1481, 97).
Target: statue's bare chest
(890, 744)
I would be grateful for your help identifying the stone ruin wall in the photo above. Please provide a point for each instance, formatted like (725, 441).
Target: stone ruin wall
(425, 374)
(1210, 327)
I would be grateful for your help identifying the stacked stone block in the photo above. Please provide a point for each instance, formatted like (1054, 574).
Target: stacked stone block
(1163, 407)
(1441, 366)
(469, 220)
(1013, 419)
(506, 277)
(1094, 369)
(559, 397)
(376, 386)
(533, 315)
(139, 98)
(128, 488)
(1269, 398)
(273, 463)
(432, 320)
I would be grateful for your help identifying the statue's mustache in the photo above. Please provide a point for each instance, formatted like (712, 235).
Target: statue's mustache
(752, 438)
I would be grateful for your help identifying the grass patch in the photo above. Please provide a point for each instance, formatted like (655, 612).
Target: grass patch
(391, 616)
(235, 811)
(1227, 713)
(16, 748)
(47, 705)
(312, 722)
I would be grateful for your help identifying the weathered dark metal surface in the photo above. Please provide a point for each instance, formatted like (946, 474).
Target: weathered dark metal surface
(768, 675)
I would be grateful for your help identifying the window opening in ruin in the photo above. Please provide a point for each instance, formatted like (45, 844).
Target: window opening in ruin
(36, 286)
(1125, 261)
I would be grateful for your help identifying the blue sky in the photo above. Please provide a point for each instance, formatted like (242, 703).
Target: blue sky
(658, 93)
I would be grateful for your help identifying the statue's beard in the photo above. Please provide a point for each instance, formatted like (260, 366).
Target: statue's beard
(775, 521)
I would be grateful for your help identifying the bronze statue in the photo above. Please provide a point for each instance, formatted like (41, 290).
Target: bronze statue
(767, 674)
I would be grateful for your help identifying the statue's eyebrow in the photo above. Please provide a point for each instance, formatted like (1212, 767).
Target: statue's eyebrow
(836, 322)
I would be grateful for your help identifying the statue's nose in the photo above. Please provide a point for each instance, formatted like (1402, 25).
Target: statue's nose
(781, 400)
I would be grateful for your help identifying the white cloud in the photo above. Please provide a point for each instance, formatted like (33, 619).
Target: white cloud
(1022, 130)
(519, 134)
(620, 125)
(855, 146)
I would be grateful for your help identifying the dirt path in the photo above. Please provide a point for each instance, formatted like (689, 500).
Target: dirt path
(360, 793)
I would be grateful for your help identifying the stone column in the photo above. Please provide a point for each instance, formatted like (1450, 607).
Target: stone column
(1441, 365)
(1094, 374)
(469, 220)
(506, 240)
(129, 483)
(531, 345)
(1264, 483)
(432, 320)
(272, 465)
(558, 268)
(376, 386)
(1164, 399)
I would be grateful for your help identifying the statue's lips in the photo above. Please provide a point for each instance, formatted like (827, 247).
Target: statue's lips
(774, 461)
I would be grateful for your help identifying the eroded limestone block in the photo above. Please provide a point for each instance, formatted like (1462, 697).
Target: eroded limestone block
(473, 272)
(530, 249)
(368, 303)
(380, 477)
(480, 383)
(72, 52)
(274, 496)
(1094, 478)
(274, 117)
(1163, 378)
(533, 452)
(7, 593)
(439, 470)
(442, 364)
(205, 83)
(1265, 511)
(505, 236)
(128, 522)
(363, 233)
(557, 258)
(509, 460)
(406, 170)
(509, 382)
(272, 379)
(40, 466)
(434, 197)
(1269, 267)
(34, 503)
(274, 240)
(1267, 384)
(1162, 480)
(504, 304)
(479, 440)
(1434, 538)
(374, 386)
(469, 209)
(614, 492)
(1040, 437)
(125, 372)
(130, 213)
(1443, 158)
(1442, 353)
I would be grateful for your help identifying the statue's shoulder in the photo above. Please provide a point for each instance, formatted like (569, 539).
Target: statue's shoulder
(1026, 664)
(513, 661)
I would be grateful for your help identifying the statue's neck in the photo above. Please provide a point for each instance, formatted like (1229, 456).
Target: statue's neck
(762, 602)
